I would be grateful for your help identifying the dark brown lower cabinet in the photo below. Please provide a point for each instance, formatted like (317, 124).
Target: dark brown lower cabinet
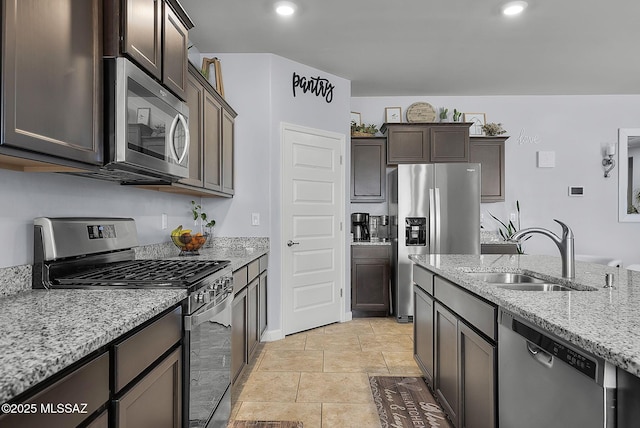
(144, 392)
(238, 335)
(253, 336)
(102, 421)
(262, 304)
(156, 400)
(370, 276)
(87, 384)
(249, 313)
(423, 342)
(457, 354)
(446, 361)
(477, 379)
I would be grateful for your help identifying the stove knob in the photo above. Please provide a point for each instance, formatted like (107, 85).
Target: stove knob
(200, 297)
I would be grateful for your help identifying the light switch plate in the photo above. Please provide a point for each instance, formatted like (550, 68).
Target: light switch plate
(546, 159)
(576, 191)
(255, 219)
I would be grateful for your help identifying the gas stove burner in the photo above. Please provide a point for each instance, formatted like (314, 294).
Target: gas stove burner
(150, 273)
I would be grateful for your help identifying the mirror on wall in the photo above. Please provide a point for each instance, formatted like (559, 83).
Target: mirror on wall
(629, 174)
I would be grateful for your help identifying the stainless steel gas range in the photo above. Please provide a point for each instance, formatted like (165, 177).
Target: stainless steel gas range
(96, 253)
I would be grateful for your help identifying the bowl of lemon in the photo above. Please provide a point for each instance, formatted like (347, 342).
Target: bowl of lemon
(188, 242)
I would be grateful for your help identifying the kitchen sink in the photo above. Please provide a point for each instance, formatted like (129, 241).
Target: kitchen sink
(523, 282)
(505, 277)
(535, 287)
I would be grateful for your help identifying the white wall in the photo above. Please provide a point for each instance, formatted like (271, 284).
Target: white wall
(259, 87)
(25, 196)
(576, 128)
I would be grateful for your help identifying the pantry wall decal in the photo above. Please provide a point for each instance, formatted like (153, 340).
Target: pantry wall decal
(318, 86)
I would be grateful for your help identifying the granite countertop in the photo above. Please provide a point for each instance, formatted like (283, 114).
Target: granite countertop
(371, 243)
(238, 256)
(605, 321)
(44, 331)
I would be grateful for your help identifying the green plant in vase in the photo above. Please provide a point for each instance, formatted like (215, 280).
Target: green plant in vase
(508, 229)
(456, 115)
(443, 114)
(198, 214)
(356, 129)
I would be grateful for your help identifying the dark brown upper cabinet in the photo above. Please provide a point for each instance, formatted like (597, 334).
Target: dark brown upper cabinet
(368, 169)
(427, 142)
(51, 111)
(211, 147)
(153, 33)
(489, 152)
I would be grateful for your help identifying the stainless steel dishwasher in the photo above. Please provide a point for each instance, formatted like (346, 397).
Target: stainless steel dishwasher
(545, 382)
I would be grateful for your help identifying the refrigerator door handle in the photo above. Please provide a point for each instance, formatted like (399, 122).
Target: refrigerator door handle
(432, 222)
(437, 221)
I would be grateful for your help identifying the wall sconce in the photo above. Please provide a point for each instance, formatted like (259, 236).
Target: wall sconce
(608, 163)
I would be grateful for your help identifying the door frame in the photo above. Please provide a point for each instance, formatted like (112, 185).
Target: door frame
(284, 126)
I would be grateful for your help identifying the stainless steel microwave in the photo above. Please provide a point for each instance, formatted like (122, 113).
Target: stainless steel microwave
(146, 128)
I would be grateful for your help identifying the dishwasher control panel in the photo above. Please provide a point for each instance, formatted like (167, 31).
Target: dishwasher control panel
(577, 360)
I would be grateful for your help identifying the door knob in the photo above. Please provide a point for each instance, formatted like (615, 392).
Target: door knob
(291, 243)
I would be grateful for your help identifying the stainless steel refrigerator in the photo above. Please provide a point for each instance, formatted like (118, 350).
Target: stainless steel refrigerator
(433, 209)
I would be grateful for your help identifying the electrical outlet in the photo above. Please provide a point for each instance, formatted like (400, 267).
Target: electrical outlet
(165, 221)
(255, 219)
(512, 217)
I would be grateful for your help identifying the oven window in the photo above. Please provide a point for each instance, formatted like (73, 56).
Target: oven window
(149, 125)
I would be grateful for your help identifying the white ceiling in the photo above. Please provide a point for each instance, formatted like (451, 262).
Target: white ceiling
(439, 47)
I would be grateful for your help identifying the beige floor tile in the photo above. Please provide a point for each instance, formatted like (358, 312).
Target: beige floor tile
(310, 414)
(385, 342)
(392, 328)
(271, 386)
(349, 415)
(332, 341)
(351, 327)
(295, 341)
(401, 363)
(354, 361)
(291, 361)
(334, 388)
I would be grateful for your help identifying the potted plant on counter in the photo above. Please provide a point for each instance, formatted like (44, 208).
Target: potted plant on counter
(493, 129)
(362, 130)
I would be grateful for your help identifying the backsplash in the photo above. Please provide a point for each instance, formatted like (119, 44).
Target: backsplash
(16, 279)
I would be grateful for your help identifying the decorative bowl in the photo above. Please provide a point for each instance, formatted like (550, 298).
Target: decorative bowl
(189, 244)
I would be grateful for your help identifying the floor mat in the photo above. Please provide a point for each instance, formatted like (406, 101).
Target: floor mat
(266, 424)
(406, 402)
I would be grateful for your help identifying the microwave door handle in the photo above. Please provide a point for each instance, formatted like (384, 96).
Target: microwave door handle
(172, 130)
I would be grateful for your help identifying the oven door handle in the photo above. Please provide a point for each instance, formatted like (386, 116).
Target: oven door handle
(216, 312)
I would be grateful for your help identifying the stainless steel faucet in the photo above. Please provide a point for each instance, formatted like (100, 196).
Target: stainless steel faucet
(565, 245)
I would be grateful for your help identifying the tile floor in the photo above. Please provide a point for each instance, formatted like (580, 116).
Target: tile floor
(320, 376)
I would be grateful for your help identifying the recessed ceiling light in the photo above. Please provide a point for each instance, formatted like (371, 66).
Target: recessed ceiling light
(514, 8)
(285, 8)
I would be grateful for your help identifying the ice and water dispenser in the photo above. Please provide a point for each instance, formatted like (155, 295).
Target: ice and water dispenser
(416, 231)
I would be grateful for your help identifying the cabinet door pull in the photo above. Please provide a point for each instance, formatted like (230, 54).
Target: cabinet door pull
(291, 243)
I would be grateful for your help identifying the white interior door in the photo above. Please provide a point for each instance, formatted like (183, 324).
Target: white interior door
(313, 211)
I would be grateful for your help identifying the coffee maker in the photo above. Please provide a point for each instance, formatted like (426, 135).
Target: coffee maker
(360, 227)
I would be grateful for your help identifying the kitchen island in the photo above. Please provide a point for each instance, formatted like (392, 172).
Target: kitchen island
(466, 310)
(603, 321)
